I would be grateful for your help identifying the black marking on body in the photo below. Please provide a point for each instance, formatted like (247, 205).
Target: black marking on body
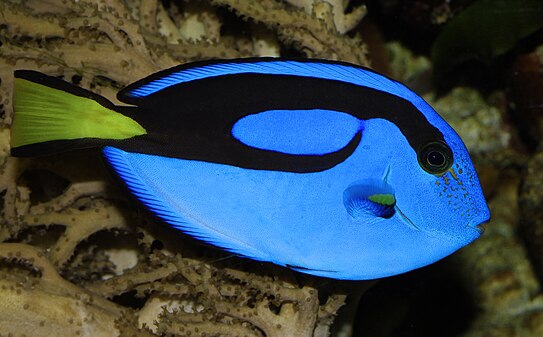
(57, 83)
(193, 120)
(308, 270)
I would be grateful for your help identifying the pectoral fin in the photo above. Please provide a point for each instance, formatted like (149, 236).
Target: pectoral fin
(369, 196)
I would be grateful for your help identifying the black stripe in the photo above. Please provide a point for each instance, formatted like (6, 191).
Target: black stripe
(57, 83)
(123, 95)
(58, 146)
(193, 120)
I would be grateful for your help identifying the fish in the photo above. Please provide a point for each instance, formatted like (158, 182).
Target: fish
(323, 167)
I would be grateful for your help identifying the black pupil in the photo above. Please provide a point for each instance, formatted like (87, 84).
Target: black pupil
(436, 158)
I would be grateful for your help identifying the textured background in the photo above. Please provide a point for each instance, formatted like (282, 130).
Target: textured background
(79, 259)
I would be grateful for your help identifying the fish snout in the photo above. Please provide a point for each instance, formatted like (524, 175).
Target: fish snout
(479, 223)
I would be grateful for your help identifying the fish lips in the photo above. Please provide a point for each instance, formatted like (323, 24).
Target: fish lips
(479, 224)
(475, 227)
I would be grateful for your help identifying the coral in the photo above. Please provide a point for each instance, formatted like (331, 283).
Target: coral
(481, 121)
(76, 257)
(497, 271)
(405, 66)
(343, 22)
(314, 34)
(531, 199)
(37, 301)
(525, 85)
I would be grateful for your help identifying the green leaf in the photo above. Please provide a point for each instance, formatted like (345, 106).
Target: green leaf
(484, 30)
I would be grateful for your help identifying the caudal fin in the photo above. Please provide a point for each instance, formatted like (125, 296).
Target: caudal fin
(51, 116)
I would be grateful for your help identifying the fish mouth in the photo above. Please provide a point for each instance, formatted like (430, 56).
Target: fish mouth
(480, 225)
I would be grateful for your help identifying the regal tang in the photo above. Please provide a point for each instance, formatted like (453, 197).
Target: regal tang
(323, 167)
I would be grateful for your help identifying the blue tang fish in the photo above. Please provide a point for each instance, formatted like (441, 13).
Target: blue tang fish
(323, 167)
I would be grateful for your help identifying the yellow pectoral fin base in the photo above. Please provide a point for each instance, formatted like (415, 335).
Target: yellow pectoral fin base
(383, 199)
(369, 197)
(43, 113)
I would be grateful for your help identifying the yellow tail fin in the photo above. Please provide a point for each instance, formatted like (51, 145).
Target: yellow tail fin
(47, 109)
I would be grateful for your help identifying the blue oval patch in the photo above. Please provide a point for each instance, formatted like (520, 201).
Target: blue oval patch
(298, 132)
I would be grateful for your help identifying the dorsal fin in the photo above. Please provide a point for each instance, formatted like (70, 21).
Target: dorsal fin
(322, 69)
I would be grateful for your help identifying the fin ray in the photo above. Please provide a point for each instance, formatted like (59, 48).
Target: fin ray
(330, 70)
(47, 110)
(369, 196)
(160, 205)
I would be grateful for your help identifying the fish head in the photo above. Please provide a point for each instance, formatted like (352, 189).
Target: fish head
(419, 204)
(438, 193)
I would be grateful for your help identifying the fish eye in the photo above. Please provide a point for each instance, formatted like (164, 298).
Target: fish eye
(436, 158)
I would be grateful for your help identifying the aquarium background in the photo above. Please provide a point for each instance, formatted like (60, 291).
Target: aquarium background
(79, 258)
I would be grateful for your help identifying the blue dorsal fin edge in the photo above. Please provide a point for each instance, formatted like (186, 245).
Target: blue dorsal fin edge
(137, 92)
(315, 68)
(157, 204)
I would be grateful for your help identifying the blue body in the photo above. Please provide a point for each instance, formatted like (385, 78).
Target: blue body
(301, 219)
